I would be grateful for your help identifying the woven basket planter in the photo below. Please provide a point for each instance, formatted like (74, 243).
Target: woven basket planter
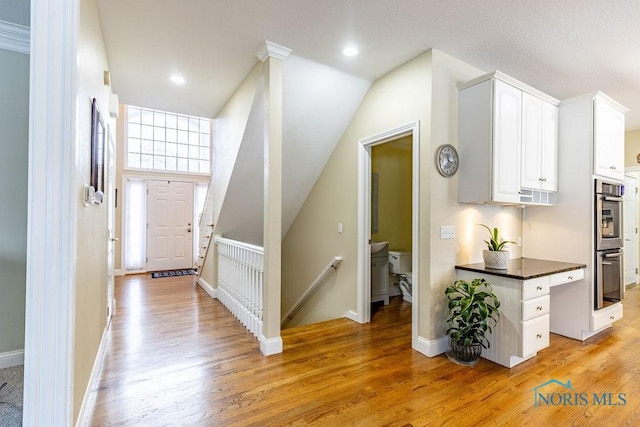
(497, 260)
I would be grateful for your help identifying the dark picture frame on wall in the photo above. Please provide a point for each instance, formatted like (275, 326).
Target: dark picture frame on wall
(97, 152)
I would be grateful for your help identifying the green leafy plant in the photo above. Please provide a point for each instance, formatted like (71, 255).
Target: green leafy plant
(473, 310)
(495, 243)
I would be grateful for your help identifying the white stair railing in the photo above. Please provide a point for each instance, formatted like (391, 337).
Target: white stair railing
(334, 263)
(240, 281)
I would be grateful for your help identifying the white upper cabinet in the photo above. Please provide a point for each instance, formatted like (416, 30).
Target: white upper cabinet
(549, 165)
(507, 126)
(539, 144)
(508, 142)
(608, 129)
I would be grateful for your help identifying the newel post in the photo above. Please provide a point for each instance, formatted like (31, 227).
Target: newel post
(273, 57)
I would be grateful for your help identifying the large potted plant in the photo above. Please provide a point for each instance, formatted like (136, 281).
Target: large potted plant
(473, 310)
(496, 256)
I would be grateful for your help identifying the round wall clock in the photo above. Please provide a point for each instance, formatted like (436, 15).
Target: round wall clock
(447, 160)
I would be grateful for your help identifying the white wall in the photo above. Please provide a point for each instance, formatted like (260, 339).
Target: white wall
(424, 89)
(240, 217)
(228, 132)
(444, 208)
(400, 97)
(632, 149)
(318, 104)
(15, 11)
(14, 144)
(91, 227)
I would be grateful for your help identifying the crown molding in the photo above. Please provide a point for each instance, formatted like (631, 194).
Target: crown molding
(273, 50)
(14, 37)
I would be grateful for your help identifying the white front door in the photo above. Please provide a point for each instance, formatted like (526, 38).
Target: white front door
(169, 222)
(630, 222)
(111, 238)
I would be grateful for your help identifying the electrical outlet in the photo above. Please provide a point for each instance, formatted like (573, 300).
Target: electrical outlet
(447, 232)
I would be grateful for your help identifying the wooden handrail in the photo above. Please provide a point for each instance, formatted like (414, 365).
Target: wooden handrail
(335, 262)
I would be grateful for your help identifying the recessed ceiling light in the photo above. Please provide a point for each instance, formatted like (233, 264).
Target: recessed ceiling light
(178, 79)
(350, 51)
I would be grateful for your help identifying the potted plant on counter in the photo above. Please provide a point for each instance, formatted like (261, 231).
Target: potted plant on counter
(495, 256)
(473, 310)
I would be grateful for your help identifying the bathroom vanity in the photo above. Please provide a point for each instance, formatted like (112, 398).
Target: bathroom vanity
(524, 293)
(379, 271)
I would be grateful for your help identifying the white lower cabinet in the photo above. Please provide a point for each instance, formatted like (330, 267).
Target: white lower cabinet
(535, 307)
(380, 279)
(535, 335)
(524, 327)
(566, 277)
(604, 317)
(534, 288)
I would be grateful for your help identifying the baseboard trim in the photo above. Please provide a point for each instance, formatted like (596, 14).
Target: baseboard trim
(431, 348)
(14, 37)
(92, 386)
(213, 292)
(11, 358)
(352, 315)
(269, 346)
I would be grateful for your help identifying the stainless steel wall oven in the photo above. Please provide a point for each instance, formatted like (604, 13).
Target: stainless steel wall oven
(609, 285)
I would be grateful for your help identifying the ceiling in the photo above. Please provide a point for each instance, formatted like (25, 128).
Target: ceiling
(564, 48)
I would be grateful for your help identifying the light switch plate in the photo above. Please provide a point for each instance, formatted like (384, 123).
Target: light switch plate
(447, 232)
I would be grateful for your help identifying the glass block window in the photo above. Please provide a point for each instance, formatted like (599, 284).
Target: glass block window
(165, 141)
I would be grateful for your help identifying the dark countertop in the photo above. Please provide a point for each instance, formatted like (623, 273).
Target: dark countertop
(524, 268)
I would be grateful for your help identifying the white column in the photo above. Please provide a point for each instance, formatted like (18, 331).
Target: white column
(273, 57)
(52, 202)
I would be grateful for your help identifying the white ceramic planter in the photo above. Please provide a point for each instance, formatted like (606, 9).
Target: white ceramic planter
(496, 260)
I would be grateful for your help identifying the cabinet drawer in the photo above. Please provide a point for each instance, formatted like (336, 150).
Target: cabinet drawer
(566, 277)
(535, 335)
(606, 316)
(534, 288)
(535, 307)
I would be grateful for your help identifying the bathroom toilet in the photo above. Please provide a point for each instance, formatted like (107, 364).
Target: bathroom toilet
(400, 267)
(405, 287)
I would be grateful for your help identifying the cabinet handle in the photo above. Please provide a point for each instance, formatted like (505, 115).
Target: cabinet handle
(539, 308)
(612, 167)
(612, 318)
(570, 277)
(539, 288)
(539, 336)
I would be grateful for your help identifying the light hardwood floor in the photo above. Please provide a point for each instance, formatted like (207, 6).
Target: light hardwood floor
(177, 357)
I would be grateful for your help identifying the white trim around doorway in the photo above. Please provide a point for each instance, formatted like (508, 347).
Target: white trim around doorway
(145, 177)
(53, 197)
(363, 314)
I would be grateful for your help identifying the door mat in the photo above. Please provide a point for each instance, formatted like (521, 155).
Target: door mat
(171, 273)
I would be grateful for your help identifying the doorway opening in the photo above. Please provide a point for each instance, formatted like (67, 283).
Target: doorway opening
(391, 197)
(630, 222)
(410, 134)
